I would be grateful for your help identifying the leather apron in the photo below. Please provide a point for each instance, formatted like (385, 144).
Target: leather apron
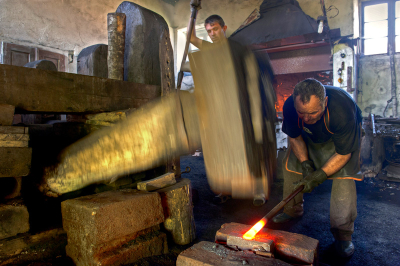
(320, 153)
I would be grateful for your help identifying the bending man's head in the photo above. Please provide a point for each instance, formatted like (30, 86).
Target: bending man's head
(216, 28)
(310, 100)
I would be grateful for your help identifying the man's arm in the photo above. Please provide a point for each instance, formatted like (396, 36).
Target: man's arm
(299, 148)
(195, 4)
(335, 163)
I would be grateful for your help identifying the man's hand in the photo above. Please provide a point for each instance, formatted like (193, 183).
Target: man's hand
(312, 181)
(307, 168)
(195, 4)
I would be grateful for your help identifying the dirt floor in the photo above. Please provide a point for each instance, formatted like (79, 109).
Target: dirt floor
(377, 230)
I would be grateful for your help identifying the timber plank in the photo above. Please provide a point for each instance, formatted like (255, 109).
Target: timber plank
(14, 137)
(48, 91)
(14, 143)
(13, 130)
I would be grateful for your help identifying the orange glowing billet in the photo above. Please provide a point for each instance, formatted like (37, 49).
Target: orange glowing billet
(249, 235)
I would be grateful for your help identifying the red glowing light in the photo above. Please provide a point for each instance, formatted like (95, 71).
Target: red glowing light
(249, 235)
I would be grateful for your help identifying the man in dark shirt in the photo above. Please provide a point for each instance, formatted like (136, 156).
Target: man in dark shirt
(323, 124)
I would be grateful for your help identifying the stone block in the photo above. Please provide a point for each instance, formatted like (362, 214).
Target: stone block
(160, 182)
(92, 61)
(208, 253)
(14, 219)
(100, 218)
(290, 247)
(87, 254)
(10, 187)
(178, 211)
(15, 161)
(149, 245)
(144, 29)
(25, 248)
(259, 243)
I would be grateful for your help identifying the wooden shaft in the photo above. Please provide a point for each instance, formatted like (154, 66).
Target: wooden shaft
(189, 34)
(281, 204)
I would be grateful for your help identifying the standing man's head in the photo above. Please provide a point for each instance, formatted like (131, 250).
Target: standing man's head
(310, 100)
(216, 28)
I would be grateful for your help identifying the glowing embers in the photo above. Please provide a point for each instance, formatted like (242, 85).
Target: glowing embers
(249, 235)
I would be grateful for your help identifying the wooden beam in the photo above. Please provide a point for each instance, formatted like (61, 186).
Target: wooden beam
(35, 90)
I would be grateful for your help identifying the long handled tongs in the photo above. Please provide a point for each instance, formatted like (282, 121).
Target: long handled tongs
(189, 34)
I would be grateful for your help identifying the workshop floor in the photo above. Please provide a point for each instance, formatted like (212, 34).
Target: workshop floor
(377, 228)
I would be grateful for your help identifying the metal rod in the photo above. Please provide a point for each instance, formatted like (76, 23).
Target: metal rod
(189, 34)
(393, 79)
(373, 124)
(281, 204)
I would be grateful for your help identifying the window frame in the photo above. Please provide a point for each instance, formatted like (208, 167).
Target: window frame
(391, 24)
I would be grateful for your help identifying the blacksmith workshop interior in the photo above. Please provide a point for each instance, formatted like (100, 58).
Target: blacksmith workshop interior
(152, 132)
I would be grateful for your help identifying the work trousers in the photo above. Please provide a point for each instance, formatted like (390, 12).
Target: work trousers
(343, 206)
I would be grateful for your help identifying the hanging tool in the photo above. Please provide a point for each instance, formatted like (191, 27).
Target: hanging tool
(260, 224)
(189, 34)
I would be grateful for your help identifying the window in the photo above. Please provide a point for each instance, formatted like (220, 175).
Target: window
(380, 26)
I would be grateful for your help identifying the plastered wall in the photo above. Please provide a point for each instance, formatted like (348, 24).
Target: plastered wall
(71, 25)
(375, 84)
(64, 25)
(234, 12)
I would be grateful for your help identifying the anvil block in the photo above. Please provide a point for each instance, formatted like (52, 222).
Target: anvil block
(208, 253)
(290, 247)
(100, 218)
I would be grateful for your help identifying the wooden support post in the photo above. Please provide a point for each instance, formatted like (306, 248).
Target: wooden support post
(116, 23)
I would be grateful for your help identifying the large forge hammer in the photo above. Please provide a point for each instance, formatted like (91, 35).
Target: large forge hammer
(231, 113)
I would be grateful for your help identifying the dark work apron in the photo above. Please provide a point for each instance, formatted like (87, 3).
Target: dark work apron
(320, 153)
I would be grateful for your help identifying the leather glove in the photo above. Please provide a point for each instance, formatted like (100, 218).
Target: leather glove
(307, 168)
(195, 4)
(311, 181)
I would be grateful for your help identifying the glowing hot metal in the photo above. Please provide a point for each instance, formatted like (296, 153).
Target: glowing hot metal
(249, 235)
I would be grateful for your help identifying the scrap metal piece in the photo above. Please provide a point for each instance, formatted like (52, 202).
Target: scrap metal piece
(160, 182)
